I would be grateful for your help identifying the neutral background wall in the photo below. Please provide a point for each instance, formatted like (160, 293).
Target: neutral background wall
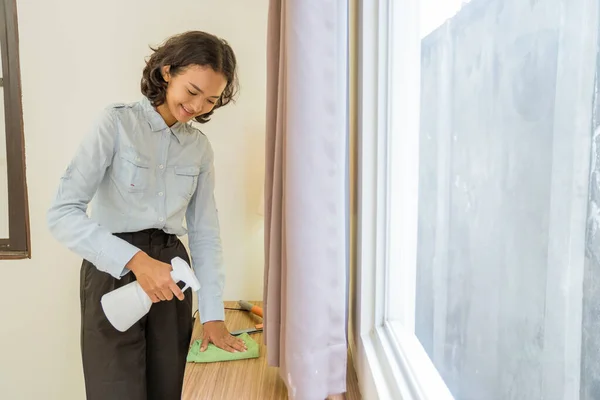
(77, 57)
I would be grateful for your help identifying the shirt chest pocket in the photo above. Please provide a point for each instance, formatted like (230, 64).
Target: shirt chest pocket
(133, 171)
(186, 180)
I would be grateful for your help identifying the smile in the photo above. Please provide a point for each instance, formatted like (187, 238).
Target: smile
(186, 110)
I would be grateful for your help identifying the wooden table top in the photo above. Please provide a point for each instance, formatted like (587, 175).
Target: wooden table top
(235, 380)
(243, 379)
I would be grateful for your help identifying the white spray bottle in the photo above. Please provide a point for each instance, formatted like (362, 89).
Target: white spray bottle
(128, 304)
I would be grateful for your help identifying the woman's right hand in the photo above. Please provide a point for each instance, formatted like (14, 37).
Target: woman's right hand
(154, 277)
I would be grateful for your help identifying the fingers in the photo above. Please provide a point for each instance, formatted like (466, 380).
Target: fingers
(223, 344)
(153, 297)
(167, 294)
(174, 289)
(232, 344)
(155, 278)
(150, 291)
(237, 344)
(157, 294)
(166, 288)
(205, 341)
(227, 343)
(230, 349)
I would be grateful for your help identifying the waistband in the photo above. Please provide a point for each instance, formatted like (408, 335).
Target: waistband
(148, 237)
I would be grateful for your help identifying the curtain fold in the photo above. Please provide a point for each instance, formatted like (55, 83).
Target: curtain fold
(305, 199)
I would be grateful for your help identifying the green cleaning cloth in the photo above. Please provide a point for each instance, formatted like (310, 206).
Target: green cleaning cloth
(215, 354)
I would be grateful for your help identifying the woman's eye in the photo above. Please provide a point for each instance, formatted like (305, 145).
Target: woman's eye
(211, 102)
(192, 93)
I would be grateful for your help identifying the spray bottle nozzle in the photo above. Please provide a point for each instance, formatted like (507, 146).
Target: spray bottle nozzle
(126, 305)
(183, 272)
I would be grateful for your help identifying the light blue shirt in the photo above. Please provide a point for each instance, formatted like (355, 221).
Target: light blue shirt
(138, 173)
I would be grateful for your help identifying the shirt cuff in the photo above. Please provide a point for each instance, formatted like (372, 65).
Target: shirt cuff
(115, 254)
(211, 309)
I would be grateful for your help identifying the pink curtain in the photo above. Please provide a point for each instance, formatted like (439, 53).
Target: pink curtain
(305, 201)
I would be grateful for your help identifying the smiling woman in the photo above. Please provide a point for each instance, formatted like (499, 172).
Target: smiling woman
(186, 99)
(198, 74)
(147, 169)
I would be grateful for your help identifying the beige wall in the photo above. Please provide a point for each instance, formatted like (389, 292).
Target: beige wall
(77, 57)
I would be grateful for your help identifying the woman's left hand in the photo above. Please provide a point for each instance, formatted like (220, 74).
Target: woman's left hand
(215, 332)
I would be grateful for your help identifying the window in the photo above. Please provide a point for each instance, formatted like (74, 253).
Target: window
(504, 174)
(480, 199)
(14, 219)
(391, 362)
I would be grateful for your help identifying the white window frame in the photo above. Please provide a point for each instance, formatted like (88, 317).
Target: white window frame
(391, 363)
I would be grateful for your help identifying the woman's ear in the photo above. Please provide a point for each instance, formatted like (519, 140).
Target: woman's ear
(165, 73)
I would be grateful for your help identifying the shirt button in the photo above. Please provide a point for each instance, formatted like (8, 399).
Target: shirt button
(161, 219)
(160, 193)
(161, 166)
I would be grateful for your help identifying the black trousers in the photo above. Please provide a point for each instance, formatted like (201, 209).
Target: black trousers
(147, 361)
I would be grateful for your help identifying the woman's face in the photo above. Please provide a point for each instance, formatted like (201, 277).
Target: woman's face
(192, 92)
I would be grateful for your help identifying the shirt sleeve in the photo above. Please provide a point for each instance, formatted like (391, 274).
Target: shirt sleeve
(204, 240)
(67, 218)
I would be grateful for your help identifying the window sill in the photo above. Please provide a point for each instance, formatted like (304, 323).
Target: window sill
(394, 365)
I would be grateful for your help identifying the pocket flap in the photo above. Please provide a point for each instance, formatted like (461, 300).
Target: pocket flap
(187, 171)
(134, 158)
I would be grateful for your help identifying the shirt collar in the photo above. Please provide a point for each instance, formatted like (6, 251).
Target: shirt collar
(157, 123)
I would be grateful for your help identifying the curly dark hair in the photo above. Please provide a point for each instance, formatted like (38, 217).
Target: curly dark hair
(183, 50)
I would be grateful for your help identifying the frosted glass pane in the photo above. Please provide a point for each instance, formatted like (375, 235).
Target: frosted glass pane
(508, 292)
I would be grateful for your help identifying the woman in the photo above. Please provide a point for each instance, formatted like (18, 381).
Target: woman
(147, 168)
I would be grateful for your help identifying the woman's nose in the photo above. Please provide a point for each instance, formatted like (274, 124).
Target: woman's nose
(199, 107)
